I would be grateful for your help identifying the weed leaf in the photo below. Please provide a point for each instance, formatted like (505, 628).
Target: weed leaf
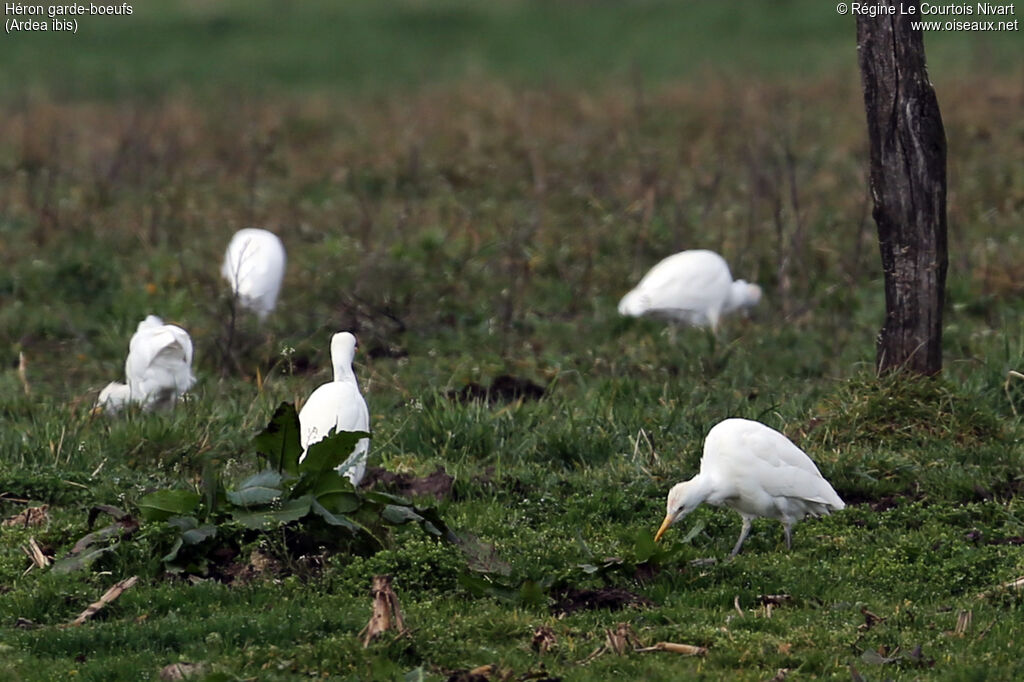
(163, 504)
(261, 489)
(279, 442)
(397, 515)
(332, 518)
(291, 510)
(335, 492)
(697, 528)
(328, 453)
(78, 561)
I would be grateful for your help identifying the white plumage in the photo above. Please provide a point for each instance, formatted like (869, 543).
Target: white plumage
(693, 287)
(254, 266)
(756, 471)
(338, 405)
(158, 368)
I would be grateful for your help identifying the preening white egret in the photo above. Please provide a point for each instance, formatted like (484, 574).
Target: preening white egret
(338, 405)
(756, 471)
(254, 266)
(158, 368)
(693, 287)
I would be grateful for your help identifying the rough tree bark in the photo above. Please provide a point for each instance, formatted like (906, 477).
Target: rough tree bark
(908, 186)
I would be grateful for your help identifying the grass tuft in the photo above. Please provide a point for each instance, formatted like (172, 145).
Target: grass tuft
(899, 410)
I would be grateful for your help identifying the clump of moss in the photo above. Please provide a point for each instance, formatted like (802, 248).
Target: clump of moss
(901, 409)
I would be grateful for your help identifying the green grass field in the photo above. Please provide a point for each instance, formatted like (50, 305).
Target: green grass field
(471, 187)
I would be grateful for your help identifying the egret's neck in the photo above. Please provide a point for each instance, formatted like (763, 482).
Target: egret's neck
(343, 371)
(742, 294)
(706, 489)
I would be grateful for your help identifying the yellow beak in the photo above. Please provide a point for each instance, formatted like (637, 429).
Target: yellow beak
(664, 527)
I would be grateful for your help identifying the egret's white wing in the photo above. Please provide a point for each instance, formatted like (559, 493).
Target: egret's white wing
(159, 364)
(340, 406)
(336, 404)
(254, 266)
(759, 460)
(692, 285)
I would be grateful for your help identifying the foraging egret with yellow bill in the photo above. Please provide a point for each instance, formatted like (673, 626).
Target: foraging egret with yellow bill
(757, 472)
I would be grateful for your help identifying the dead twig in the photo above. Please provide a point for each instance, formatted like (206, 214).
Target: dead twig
(181, 671)
(963, 622)
(543, 639)
(685, 649)
(623, 639)
(109, 596)
(620, 640)
(1012, 374)
(870, 619)
(36, 555)
(23, 372)
(770, 601)
(1012, 585)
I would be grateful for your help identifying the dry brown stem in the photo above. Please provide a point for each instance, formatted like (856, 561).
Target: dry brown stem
(387, 612)
(109, 596)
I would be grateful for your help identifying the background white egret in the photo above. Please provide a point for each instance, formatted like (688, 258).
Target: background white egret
(338, 405)
(158, 368)
(254, 266)
(693, 287)
(756, 471)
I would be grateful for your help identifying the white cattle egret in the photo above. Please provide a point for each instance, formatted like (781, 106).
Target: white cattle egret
(340, 406)
(756, 471)
(158, 368)
(254, 266)
(693, 287)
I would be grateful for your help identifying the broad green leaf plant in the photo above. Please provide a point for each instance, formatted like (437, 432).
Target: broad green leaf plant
(310, 496)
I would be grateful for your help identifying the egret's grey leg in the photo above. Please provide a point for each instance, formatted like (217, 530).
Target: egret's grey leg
(743, 536)
(788, 527)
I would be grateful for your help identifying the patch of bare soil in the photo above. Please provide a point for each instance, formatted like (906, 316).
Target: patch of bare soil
(570, 600)
(438, 484)
(504, 389)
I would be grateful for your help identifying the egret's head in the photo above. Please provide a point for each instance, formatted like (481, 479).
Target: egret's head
(113, 397)
(744, 294)
(343, 350)
(344, 343)
(634, 304)
(682, 499)
(150, 323)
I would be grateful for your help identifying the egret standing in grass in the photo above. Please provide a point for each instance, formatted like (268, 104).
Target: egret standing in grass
(254, 267)
(338, 405)
(756, 471)
(158, 368)
(692, 287)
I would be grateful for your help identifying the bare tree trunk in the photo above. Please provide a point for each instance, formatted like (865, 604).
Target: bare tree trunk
(908, 186)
